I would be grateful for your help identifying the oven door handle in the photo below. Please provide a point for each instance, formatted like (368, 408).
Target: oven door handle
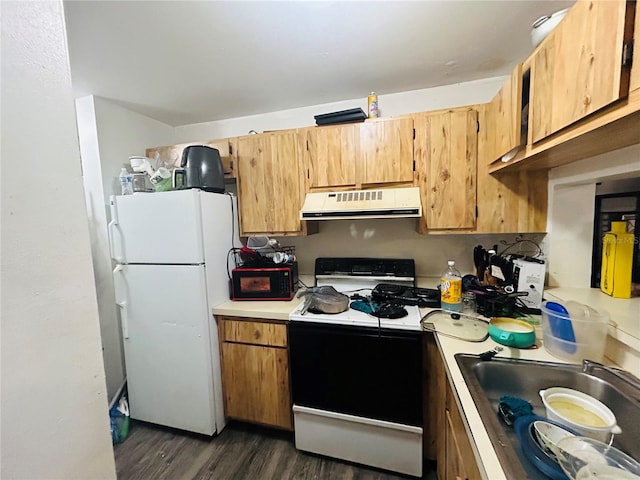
(348, 330)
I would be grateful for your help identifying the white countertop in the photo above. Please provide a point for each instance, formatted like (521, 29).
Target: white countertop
(625, 313)
(270, 310)
(486, 456)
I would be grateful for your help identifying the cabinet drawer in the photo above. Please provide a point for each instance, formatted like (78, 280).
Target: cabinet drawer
(254, 333)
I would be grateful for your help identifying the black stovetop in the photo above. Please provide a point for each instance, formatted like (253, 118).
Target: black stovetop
(402, 295)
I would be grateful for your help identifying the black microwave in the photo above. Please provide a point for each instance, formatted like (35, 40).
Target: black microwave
(265, 283)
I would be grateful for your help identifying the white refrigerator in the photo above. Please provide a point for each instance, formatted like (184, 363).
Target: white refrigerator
(172, 250)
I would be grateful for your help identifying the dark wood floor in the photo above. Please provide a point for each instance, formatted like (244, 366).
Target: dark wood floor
(241, 451)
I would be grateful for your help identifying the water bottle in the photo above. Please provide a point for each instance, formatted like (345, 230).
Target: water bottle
(126, 182)
(451, 288)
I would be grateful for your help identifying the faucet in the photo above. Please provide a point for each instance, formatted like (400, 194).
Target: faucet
(589, 365)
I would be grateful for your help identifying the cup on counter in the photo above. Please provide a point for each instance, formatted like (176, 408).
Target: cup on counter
(469, 303)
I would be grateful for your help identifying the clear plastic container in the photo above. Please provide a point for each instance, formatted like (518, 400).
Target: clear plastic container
(126, 182)
(576, 333)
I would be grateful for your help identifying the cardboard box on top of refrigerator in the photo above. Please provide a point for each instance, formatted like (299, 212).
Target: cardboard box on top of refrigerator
(617, 260)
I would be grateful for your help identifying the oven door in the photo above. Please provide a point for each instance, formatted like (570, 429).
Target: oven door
(367, 372)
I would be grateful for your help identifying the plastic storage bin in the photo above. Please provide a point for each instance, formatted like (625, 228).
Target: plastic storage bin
(573, 331)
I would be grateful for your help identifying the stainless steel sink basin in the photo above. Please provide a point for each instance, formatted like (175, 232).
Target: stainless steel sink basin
(489, 380)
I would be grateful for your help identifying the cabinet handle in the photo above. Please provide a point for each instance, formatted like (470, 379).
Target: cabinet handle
(627, 54)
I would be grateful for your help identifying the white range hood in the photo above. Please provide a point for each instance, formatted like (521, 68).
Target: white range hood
(355, 204)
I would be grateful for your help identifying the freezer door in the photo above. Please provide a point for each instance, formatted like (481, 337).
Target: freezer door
(167, 345)
(163, 227)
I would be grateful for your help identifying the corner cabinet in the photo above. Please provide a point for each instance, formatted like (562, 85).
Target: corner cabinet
(579, 92)
(507, 202)
(270, 184)
(581, 66)
(446, 160)
(505, 118)
(255, 371)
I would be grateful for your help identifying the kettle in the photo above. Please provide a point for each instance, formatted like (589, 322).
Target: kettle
(201, 168)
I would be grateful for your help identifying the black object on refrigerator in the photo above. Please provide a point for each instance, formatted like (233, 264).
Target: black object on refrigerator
(202, 168)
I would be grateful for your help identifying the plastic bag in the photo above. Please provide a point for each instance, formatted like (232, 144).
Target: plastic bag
(119, 419)
(324, 299)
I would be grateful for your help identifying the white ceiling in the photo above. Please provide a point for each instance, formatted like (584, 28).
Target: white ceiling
(184, 62)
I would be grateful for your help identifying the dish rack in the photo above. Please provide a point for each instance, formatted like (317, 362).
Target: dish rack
(246, 257)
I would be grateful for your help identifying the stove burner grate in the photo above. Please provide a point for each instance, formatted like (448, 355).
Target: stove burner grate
(390, 310)
(402, 295)
(380, 310)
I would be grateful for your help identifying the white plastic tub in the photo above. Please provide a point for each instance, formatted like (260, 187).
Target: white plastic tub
(580, 401)
(581, 333)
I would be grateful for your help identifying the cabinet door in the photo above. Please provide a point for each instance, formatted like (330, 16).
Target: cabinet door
(578, 68)
(269, 183)
(505, 118)
(446, 161)
(508, 202)
(460, 459)
(386, 151)
(256, 384)
(330, 155)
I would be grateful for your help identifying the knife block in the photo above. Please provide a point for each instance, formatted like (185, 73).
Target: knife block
(617, 259)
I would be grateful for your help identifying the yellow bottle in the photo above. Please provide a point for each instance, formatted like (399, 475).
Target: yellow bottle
(451, 288)
(373, 105)
(617, 259)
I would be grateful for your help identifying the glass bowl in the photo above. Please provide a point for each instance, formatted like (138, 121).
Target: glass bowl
(583, 458)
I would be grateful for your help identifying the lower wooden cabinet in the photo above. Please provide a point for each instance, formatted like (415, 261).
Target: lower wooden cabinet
(460, 460)
(255, 371)
(445, 437)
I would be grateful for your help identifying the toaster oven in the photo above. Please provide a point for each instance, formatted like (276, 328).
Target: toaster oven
(264, 283)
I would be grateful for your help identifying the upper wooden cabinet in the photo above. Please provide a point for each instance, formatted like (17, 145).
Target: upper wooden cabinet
(386, 147)
(269, 179)
(579, 68)
(579, 90)
(446, 161)
(172, 154)
(505, 118)
(356, 155)
(330, 155)
(507, 202)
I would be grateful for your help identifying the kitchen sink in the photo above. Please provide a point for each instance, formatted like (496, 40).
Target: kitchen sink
(488, 380)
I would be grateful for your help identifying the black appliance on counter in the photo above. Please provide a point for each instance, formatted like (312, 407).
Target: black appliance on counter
(277, 282)
(202, 168)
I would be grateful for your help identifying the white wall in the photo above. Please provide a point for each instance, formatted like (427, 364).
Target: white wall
(572, 191)
(389, 238)
(109, 135)
(448, 96)
(55, 421)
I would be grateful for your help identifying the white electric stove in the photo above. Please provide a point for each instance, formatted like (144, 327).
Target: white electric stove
(356, 377)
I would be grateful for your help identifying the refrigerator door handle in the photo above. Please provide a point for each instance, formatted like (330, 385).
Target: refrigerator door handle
(118, 257)
(121, 303)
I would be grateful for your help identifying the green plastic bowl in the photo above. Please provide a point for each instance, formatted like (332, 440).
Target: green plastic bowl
(512, 332)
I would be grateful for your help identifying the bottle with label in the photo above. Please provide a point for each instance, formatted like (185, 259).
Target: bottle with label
(373, 105)
(126, 182)
(451, 288)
